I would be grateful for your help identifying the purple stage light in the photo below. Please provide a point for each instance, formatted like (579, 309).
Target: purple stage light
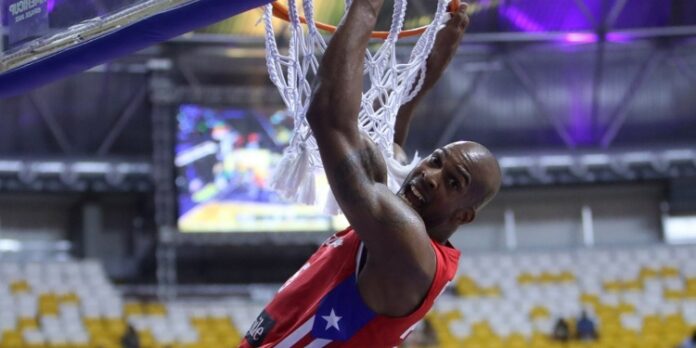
(521, 20)
(580, 129)
(552, 16)
(580, 38)
(620, 37)
(50, 4)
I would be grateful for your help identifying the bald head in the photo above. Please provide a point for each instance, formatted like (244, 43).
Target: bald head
(482, 167)
(448, 187)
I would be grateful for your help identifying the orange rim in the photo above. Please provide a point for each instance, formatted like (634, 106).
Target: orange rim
(281, 11)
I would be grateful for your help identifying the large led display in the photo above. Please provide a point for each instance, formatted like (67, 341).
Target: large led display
(224, 160)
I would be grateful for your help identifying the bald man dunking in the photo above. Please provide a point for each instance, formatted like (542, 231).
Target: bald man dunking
(368, 286)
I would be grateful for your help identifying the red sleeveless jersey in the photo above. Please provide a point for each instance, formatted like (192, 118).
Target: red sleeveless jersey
(320, 306)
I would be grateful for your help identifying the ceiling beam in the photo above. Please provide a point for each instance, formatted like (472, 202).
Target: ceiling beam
(525, 80)
(51, 122)
(457, 119)
(620, 114)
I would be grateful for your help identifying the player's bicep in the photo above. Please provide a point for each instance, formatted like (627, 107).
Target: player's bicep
(351, 167)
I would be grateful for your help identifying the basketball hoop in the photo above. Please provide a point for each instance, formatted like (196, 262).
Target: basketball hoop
(392, 83)
(281, 11)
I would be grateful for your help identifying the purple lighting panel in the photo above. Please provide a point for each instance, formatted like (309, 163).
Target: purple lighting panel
(537, 16)
(644, 14)
(580, 38)
(619, 37)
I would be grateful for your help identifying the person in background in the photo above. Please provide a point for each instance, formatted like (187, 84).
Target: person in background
(689, 342)
(130, 338)
(561, 331)
(585, 328)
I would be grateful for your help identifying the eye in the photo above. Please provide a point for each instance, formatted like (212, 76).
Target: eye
(453, 183)
(436, 161)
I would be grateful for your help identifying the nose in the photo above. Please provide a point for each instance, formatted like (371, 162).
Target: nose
(430, 178)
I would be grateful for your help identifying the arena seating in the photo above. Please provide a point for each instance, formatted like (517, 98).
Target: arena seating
(637, 297)
(73, 304)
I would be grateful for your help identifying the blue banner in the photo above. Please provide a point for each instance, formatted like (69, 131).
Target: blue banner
(25, 19)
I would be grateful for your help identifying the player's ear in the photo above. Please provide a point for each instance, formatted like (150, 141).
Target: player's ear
(465, 215)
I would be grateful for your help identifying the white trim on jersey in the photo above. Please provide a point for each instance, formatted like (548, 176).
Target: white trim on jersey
(358, 258)
(297, 335)
(318, 343)
(408, 331)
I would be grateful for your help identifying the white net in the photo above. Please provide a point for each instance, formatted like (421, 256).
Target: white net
(391, 84)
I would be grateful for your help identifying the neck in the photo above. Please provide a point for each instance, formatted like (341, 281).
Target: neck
(441, 234)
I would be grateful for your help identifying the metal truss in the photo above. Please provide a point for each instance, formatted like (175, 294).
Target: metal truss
(75, 175)
(597, 167)
(251, 238)
(526, 82)
(525, 170)
(456, 122)
(163, 100)
(65, 136)
(619, 116)
(233, 95)
(51, 122)
(122, 121)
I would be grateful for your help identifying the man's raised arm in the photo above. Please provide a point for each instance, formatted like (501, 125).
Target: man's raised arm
(444, 49)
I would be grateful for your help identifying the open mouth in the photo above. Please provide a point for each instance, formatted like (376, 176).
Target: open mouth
(418, 195)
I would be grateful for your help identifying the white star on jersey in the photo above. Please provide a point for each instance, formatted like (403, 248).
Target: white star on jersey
(332, 320)
(336, 243)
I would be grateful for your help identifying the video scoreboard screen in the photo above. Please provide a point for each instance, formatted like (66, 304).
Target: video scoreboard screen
(224, 160)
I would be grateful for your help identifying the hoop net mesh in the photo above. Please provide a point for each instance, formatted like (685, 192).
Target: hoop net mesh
(391, 84)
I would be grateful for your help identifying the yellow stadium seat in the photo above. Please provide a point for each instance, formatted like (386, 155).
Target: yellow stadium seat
(93, 324)
(567, 276)
(12, 339)
(667, 272)
(613, 286)
(690, 283)
(648, 272)
(539, 312)
(48, 304)
(690, 293)
(155, 308)
(115, 327)
(70, 297)
(546, 278)
(633, 285)
(526, 278)
(27, 323)
(540, 340)
(493, 291)
(625, 307)
(466, 281)
(133, 308)
(515, 340)
(439, 322)
(589, 298)
(19, 287)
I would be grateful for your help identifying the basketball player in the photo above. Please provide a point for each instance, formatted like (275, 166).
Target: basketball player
(368, 285)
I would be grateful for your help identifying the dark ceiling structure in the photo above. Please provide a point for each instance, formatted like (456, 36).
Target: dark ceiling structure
(532, 79)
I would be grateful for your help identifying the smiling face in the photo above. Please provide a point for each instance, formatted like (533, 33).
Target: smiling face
(448, 187)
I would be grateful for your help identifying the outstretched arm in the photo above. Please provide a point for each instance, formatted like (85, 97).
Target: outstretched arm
(392, 231)
(444, 49)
